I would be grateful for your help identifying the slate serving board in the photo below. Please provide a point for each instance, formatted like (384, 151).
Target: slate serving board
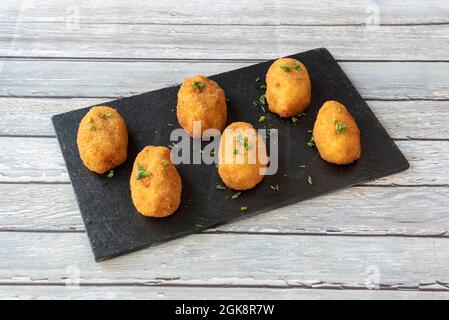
(113, 225)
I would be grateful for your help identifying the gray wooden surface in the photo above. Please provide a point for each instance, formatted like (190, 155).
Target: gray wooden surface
(386, 239)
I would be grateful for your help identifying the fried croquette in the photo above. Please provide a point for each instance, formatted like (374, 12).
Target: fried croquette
(242, 156)
(155, 183)
(201, 100)
(288, 87)
(102, 139)
(336, 134)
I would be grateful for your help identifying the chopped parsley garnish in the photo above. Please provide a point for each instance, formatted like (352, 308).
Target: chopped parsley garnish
(286, 68)
(340, 127)
(142, 172)
(243, 208)
(257, 79)
(197, 85)
(165, 163)
(298, 67)
(236, 195)
(91, 125)
(262, 99)
(309, 180)
(172, 145)
(262, 118)
(264, 86)
(275, 188)
(105, 115)
(294, 120)
(110, 174)
(244, 141)
(220, 187)
(269, 132)
(311, 142)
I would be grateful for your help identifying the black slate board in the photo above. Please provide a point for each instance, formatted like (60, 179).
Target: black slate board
(113, 225)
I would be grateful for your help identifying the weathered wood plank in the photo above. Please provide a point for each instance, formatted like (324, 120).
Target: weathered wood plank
(233, 259)
(402, 119)
(417, 211)
(40, 160)
(56, 78)
(222, 12)
(222, 42)
(197, 293)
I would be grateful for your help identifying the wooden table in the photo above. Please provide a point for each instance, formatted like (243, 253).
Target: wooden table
(390, 234)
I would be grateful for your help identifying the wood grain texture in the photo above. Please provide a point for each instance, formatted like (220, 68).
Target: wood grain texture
(40, 160)
(402, 119)
(197, 293)
(222, 12)
(79, 78)
(233, 260)
(411, 211)
(222, 42)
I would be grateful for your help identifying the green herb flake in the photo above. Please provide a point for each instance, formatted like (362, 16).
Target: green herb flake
(340, 127)
(197, 85)
(110, 174)
(246, 143)
(172, 145)
(142, 172)
(243, 208)
(311, 142)
(309, 180)
(236, 195)
(165, 163)
(105, 115)
(91, 124)
(228, 100)
(263, 87)
(294, 120)
(298, 67)
(262, 99)
(262, 118)
(257, 79)
(286, 68)
(275, 188)
(220, 187)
